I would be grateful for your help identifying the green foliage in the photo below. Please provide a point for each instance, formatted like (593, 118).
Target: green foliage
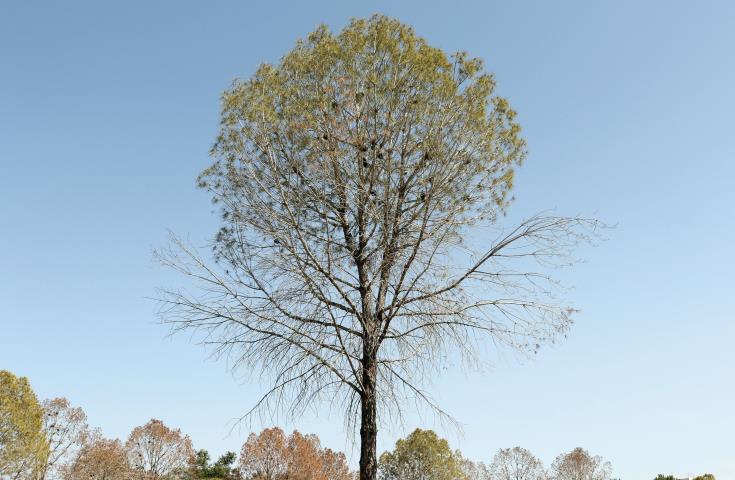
(23, 445)
(422, 455)
(374, 101)
(706, 476)
(222, 469)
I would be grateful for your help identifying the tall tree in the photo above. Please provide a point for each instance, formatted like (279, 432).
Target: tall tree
(516, 464)
(23, 445)
(100, 459)
(156, 451)
(580, 465)
(66, 431)
(349, 176)
(421, 456)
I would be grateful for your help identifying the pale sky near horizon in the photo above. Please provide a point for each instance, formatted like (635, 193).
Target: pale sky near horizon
(108, 110)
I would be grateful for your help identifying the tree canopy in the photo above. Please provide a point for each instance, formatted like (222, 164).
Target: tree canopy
(271, 455)
(100, 459)
(580, 465)
(66, 431)
(157, 451)
(516, 464)
(24, 448)
(420, 456)
(223, 469)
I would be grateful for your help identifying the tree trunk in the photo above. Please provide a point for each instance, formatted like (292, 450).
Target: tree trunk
(368, 421)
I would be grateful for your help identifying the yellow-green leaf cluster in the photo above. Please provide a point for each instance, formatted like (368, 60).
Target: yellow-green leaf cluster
(421, 455)
(375, 83)
(23, 445)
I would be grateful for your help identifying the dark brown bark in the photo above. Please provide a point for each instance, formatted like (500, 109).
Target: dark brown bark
(368, 419)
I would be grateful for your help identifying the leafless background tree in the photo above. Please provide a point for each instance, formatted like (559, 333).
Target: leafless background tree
(100, 459)
(156, 451)
(475, 470)
(264, 456)
(516, 464)
(67, 431)
(271, 455)
(349, 178)
(580, 465)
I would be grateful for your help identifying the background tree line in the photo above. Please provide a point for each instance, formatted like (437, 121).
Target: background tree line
(51, 440)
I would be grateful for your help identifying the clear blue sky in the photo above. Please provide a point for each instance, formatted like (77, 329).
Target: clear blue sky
(108, 109)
